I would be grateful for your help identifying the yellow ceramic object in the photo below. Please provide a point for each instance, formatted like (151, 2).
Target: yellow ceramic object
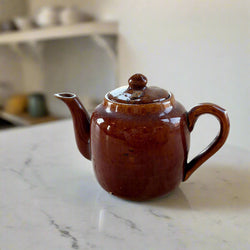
(16, 104)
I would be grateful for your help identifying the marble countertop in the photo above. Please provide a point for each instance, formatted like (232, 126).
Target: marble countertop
(50, 199)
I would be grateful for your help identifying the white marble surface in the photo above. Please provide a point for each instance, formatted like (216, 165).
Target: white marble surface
(50, 199)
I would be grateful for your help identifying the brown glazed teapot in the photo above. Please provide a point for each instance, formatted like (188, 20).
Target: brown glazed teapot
(138, 139)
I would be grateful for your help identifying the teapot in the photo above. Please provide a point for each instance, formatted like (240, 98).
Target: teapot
(138, 138)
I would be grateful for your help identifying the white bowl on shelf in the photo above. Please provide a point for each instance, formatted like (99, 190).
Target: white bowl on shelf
(23, 23)
(70, 15)
(47, 17)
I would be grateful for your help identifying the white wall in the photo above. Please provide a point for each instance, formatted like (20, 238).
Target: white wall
(10, 64)
(76, 65)
(196, 49)
(10, 69)
(12, 8)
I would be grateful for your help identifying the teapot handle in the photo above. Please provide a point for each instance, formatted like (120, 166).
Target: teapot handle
(219, 140)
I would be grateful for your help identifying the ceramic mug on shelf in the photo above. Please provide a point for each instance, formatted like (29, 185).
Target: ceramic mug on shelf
(16, 104)
(37, 105)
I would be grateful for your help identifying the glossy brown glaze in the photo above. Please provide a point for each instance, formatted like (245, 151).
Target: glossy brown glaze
(219, 140)
(137, 92)
(139, 151)
(81, 121)
(139, 146)
(137, 81)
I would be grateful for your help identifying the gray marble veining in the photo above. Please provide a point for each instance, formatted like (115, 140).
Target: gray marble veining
(51, 200)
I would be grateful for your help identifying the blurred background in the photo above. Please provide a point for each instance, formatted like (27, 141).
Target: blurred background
(198, 50)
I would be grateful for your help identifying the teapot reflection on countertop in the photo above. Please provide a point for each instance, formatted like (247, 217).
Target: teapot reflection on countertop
(138, 138)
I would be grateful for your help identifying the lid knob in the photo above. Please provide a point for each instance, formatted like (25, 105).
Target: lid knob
(137, 81)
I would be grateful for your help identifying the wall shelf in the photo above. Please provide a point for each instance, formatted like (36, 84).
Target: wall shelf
(30, 46)
(59, 32)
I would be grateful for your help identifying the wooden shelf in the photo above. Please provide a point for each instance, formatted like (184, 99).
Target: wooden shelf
(59, 32)
(25, 119)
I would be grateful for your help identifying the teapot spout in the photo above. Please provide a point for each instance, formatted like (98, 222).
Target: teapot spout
(81, 122)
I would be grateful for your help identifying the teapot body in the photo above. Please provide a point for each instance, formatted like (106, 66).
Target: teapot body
(138, 138)
(139, 151)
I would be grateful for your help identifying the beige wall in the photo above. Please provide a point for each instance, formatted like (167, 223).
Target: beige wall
(10, 69)
(10, 63)
(12, 8)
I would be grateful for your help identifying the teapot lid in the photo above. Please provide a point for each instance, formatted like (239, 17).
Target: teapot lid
(137, 92)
